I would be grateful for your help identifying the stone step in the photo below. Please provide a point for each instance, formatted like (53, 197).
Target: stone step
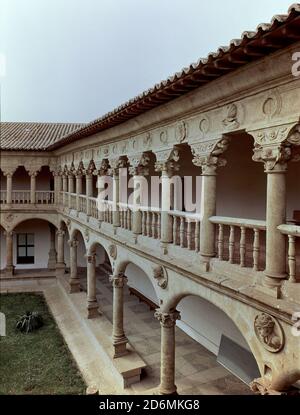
(126, 370)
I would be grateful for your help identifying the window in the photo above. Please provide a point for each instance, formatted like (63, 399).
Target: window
(25, 248)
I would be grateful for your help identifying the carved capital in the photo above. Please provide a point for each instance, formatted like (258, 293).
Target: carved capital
(73, 243)
(275, 135)
(119, 280)
(60, 232)
(161, 275)
(104, 167)
(207, 155)
(91, 168)
(274, 157)
(9, 234)
(91, 259)
(117, 164)
(80, 170)
(167, 161)
(167, 320)
(139, 164)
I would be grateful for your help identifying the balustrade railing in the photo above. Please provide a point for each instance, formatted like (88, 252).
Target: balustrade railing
(20, 196)
(186, 230)
(241, 241)
(125, 216)
(107, 211)
(293, 255)
(44, 197)
(93, 207)
(72, 201)
(3, 195)
(82, 203)
(151, 222)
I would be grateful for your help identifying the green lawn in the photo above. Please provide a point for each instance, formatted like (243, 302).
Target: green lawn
(38, 362)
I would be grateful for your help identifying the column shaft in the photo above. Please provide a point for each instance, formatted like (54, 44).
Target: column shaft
(276, 215)
(9, 253)
(208, 209)
(118, 336)
(9, 188)
(32, 188)
(92, 304)
(116, 199)
(166, 219)
(74, 280)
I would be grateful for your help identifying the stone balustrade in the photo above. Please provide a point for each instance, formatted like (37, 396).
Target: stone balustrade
(240, 241)
(186, 230)
(151, 222)
(293, 235)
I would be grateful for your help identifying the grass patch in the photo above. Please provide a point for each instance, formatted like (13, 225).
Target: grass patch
(38, 362)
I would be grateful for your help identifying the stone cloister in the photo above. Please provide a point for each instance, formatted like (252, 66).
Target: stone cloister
(199, 191)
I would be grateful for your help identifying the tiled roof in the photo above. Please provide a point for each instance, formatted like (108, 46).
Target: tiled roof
(31, 135)
(266, 39)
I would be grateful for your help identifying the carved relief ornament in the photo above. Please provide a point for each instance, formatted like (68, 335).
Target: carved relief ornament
(112, 250)
(139, 164)
(167, 320)
(168, 161)
(269, 332)
(207, 155)
(161, 275)
(118, 280)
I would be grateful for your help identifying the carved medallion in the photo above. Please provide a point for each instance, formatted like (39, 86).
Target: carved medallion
(161, 275)
(147, 140)
(231, 120)
(86, 234)
(180, 131)
(163, 137)
(112, 250)
(269, 332)
(272, 104)
(204, 125)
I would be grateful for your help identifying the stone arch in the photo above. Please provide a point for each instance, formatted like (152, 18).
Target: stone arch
(122, 264)
(227, 309)
(75, 231)
(40, 216)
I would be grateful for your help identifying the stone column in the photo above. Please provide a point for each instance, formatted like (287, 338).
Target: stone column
(102, 172)
(118, 336)
(166, 219)
(276, 215)
(9, 175)
(52, 252)
(70, 188)
(209, 163)
(275, 158)
(92, 303)
(9, 254)
(78, 190)
(57, 186)
(74, 280)
(89, 192)
(65, 189)
(138, 170)
(167, 370)
(33, 186)
(116, 198)
(60, 264)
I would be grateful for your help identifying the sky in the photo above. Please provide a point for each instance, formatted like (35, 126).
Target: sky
(75, 60)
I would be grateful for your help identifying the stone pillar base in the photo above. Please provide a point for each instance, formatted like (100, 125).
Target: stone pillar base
(120, 347)
(9, 271)
(60, 269)
(93, 310)
(163, 391)
(74, 286)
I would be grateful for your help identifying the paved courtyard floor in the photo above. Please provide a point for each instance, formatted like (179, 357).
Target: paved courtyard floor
(197, 371)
